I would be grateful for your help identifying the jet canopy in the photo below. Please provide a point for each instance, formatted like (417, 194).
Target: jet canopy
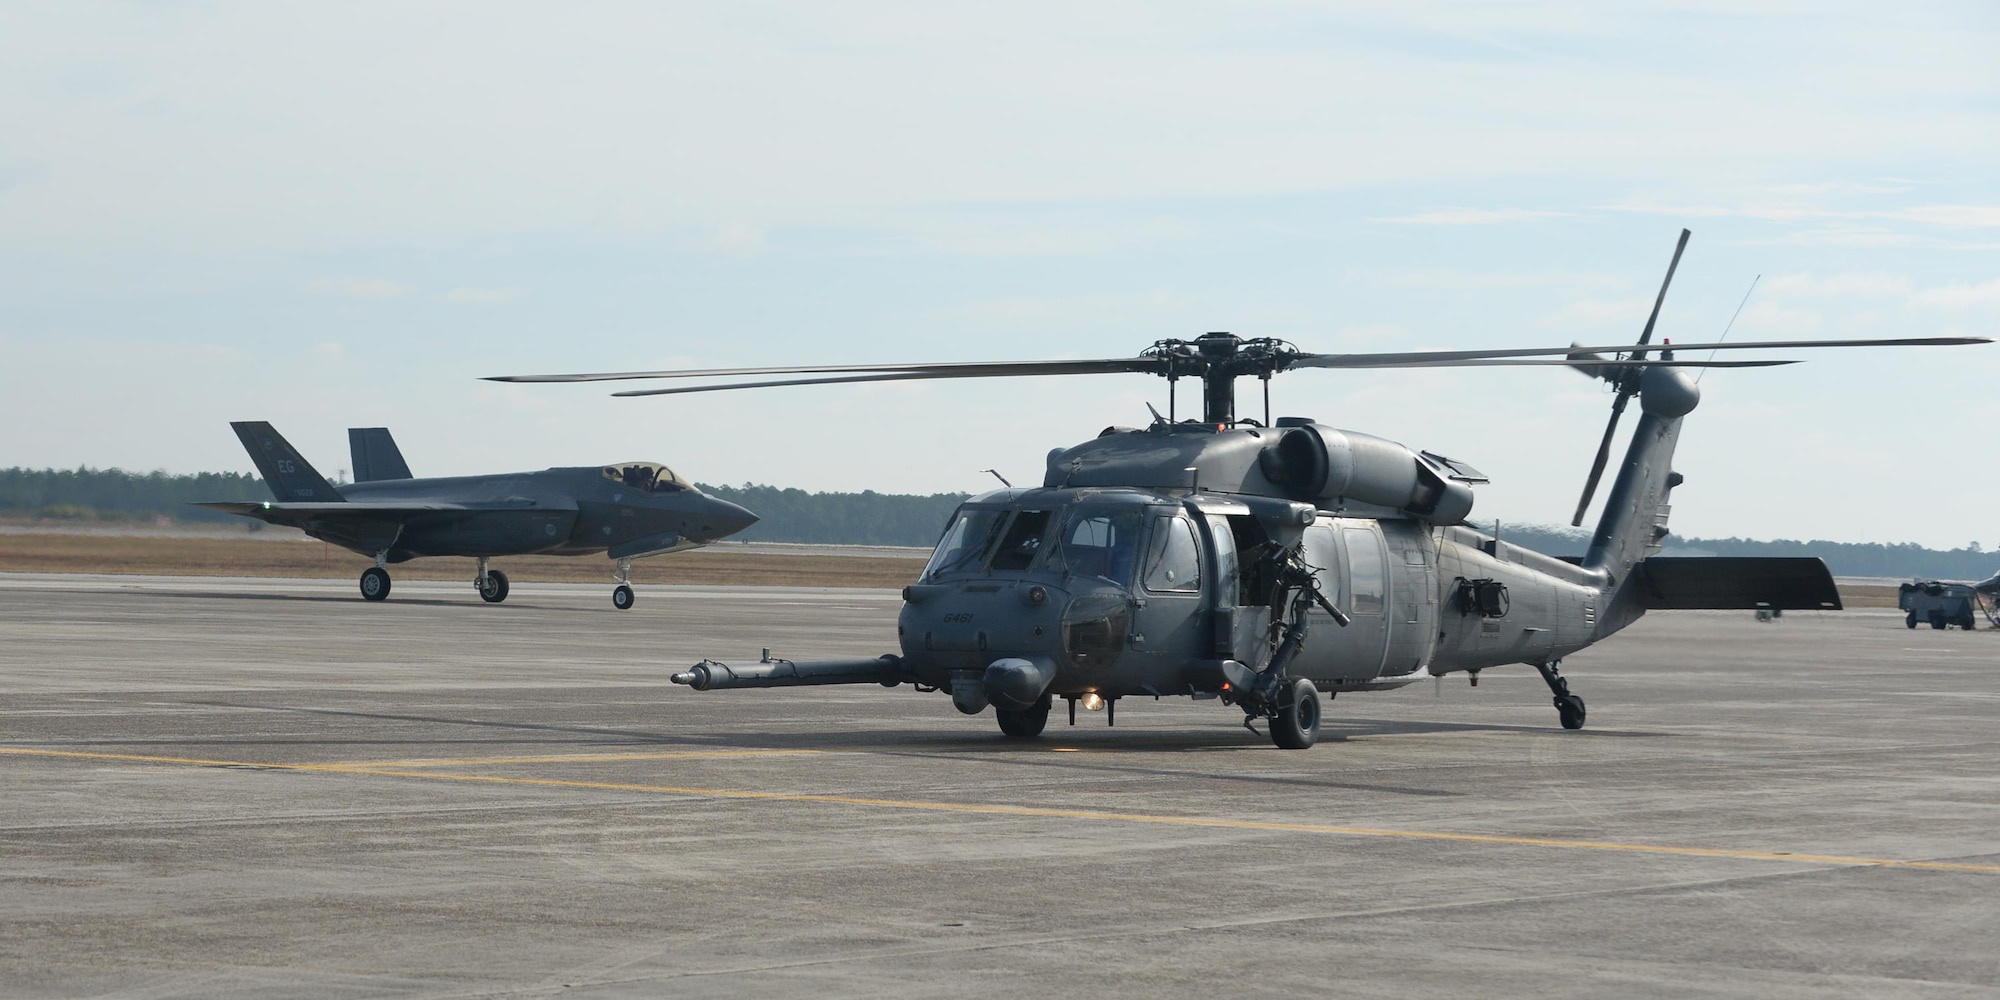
(652, 477)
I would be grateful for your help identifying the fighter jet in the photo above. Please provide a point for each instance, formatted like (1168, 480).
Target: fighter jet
(625, 511)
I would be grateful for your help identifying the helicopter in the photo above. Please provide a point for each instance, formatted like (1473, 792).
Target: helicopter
(1263, 563)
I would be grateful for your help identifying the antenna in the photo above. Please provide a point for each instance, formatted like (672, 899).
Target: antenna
(997, 475)
(1732, 323)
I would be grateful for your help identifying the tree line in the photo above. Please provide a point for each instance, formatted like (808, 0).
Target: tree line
(870, 518)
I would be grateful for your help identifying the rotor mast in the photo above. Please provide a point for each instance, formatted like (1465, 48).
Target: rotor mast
(1217, 359)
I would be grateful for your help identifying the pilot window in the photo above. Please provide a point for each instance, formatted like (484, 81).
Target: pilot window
(1023, 539)
(1173, 560)
(1364, 570)
(647, 477)
(1103, 545)
(965, 542)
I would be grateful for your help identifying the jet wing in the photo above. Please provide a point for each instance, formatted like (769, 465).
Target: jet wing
(1736, 583)
(298, 513)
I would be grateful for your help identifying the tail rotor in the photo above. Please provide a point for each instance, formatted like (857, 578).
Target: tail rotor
(1625, 379)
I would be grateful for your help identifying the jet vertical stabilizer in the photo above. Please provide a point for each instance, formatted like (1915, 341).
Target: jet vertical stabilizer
(375, 455)
(290, 477)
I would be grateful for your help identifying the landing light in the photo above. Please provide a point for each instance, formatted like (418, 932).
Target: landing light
(1093, 702)
(1065, 750)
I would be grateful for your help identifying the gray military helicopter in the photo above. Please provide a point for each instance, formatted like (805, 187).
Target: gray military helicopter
(1260, 563)
(626, 511)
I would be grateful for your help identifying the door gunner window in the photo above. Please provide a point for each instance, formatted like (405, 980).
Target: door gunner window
(1173, 560)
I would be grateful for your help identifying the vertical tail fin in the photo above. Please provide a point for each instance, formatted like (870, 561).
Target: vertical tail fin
(375, 455)
(285, 471)
(1634, 523)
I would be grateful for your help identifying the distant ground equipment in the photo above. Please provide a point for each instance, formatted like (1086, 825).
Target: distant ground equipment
(1942, 604)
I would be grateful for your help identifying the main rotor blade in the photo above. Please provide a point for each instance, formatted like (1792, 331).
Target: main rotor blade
(1378, 360)
(914, 376)
(1582, 363)
(999, 369)
(1603, 456)
(1646, 335)
(965, 369)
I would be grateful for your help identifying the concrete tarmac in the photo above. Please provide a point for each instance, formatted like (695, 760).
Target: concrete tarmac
(219, 788)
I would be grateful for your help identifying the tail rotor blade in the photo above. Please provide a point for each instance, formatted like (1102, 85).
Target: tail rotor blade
(1603, 457)
(1646, 337)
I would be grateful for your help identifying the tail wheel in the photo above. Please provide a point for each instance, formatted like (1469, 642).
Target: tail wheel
(494, 589)
(375, 583)
(622, 597)
(1570, 710)
(1297, 724)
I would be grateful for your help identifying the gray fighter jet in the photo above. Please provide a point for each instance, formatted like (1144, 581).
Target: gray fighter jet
(627, 510)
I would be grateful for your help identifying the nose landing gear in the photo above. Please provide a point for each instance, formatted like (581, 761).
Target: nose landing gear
(622, 596)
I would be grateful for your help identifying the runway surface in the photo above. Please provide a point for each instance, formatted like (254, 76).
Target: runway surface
(224, 788)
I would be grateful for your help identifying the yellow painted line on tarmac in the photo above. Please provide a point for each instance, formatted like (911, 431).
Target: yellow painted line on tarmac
(1038, 812)
(581, 758)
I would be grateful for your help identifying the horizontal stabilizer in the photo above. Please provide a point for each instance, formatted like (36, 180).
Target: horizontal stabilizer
(1730, 583)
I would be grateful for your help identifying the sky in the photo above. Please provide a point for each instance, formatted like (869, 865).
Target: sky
(343, 215)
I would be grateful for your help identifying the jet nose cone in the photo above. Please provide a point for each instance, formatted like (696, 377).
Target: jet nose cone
(727, 518)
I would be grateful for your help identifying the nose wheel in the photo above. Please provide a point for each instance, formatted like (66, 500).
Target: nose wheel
(621, 595)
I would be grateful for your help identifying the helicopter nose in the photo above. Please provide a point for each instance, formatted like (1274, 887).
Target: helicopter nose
(725, 518)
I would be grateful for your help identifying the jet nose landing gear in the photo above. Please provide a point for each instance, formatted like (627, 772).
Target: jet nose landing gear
(622, 596)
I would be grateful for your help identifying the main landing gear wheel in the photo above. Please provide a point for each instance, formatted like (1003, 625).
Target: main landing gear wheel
(375, 583)
(493, 589)
(1297, 724)
(1024, 725)
(1570, 711)
(622, 597)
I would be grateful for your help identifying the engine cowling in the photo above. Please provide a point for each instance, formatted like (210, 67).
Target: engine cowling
(1328, 465)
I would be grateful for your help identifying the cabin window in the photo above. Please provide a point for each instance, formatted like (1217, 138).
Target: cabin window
(963, 548)
(1173, 560)
(1365, 572)
(1023, 539)
(1100, 544)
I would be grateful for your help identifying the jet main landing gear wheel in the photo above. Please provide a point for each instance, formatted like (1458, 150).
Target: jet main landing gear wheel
(1296, 726)
(493, 589)
(622, 597)
(375, 583)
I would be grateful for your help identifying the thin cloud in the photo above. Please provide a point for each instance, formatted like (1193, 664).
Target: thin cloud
(481, 296)
(1474, 217)
(359, 288)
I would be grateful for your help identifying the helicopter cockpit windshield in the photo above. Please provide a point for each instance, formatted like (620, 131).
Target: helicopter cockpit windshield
(650, 477)
(1088, 541)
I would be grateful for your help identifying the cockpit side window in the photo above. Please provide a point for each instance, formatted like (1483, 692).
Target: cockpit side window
(1022, 541)
(963, 548)
(1173, 560)
(1103, 544)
